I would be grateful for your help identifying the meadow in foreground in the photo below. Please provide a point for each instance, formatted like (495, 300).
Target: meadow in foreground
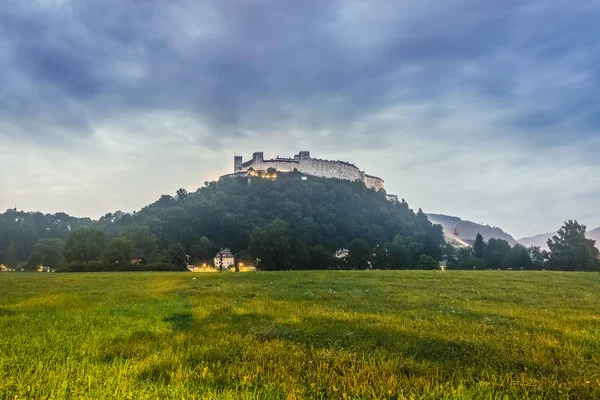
(352, 335)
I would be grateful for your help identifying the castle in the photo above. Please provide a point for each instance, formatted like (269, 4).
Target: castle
(305, 164)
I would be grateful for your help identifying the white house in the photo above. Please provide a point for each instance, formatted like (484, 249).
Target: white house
(224, 259)
(342, 253)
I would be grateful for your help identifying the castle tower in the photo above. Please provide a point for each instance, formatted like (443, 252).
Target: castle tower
(257, 157)
(237, 163)
(305, 155)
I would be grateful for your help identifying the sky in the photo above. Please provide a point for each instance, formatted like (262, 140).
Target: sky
(487, 110)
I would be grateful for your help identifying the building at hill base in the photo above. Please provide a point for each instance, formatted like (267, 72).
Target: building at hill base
(305, 164)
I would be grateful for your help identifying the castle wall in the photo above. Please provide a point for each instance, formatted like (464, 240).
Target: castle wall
(373, 182)
(284, 166)
(329, 169)
(311, 166)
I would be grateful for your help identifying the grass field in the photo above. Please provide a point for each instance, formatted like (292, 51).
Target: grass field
(287, 335)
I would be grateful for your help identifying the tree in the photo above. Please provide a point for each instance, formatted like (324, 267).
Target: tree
(181, 194)
(538, 257)
(177, 256)
(451, 256)
(495, 252)
(479, 246)
(118, 251)
(571, 250)
(142, 238)
(271, 171)
(272, 245)
(203, 250)
(360, 254)
(84, 245)
(398, 257)
(320, 257)
(11, 259)
(427, 262)
(518, 258)
(381, 258)
(47, 252)
(319, 212)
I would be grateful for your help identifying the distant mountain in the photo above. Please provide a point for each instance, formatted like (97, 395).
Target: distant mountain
(542, 239)
(595, 234)
(468, 230)
(537, 240)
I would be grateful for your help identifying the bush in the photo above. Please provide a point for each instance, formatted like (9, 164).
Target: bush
(427, 262)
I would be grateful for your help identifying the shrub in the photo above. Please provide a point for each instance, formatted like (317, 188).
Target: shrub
(427, 262)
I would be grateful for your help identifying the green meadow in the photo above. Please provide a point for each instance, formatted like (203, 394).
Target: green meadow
(300, 335)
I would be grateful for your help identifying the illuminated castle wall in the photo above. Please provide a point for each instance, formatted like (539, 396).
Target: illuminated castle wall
(304, 163)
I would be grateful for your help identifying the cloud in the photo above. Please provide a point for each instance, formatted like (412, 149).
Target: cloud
(482, 109)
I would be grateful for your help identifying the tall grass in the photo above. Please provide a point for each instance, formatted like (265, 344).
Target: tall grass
(296, 335)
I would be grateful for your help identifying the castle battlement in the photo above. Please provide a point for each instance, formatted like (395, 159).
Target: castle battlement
(305, 164)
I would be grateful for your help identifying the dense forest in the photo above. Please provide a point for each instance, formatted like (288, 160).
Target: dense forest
(301, 221)
(287, 223)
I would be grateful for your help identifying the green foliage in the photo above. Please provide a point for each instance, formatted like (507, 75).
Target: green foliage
(479, 247)
(33, 262)
(27, 228)
(393, 255)
(360, 254)
(47, 252)
(272, 244)
(320, 257)
(177, 256)
(495, 253)
(570, 250)
(118, 251)
(10, 258)
(538, 257)
(181, 194)
(85, 244)
(518, 258)
(464, 259)
(142, 238)
(427, 262)
(319, 212)
(204, 250)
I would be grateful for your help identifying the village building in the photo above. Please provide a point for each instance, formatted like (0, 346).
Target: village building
(137, 256)
(342, 253)
(224, 259)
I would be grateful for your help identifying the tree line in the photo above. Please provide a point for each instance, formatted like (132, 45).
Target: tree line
(569, 250)
(288, 223)
(281, 224)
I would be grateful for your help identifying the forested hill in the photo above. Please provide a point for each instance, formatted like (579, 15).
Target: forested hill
(316, 213)
(468, 230)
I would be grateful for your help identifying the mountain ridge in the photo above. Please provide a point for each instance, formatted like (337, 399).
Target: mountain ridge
(468, 229)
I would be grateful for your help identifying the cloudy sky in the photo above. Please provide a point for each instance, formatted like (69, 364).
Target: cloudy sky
(488, 110)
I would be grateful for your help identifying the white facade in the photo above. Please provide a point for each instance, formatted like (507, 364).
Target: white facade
(307, 165)
(342, 253)
(226, 257)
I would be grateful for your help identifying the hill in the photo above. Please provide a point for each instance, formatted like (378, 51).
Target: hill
(467, 229)
(537, 240)
(312, 218)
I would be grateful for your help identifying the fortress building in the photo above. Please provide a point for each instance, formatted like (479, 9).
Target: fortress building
(305, 164)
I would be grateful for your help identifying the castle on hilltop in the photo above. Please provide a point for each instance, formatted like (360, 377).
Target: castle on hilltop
(305, 164)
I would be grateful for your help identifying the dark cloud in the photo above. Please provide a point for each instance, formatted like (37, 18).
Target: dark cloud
(344, 75)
